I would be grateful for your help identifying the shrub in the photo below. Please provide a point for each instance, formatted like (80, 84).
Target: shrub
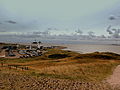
(102, 55)
(58, 56)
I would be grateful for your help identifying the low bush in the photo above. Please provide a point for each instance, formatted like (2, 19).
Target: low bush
(58, 56)
(102, 55)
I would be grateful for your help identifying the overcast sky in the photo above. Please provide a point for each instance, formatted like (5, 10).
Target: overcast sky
(65, 16)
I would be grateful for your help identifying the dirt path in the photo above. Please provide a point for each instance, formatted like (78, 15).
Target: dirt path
(2, 53)
(114, 79)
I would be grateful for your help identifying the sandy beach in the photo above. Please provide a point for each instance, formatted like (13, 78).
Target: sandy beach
(85, 47)
(88, 48)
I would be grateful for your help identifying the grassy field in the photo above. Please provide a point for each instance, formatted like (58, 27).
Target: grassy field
(67, 65)
(62, 68)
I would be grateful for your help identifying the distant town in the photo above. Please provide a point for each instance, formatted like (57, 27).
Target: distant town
(23, 51)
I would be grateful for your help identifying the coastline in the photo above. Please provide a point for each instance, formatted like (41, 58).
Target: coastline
(90, 48)
(82, 48)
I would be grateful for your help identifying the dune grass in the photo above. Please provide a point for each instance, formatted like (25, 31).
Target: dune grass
(85, 67)
(76, 71)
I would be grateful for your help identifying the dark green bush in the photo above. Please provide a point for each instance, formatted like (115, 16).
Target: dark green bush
(102, 55)
(58, 56)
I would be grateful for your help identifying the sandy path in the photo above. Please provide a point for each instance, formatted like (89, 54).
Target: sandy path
(114, 79)
(2, 53)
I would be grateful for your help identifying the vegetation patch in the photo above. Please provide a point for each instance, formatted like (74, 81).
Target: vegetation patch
(57, 63)
(94, 72)
(58, 56)
(97, 55)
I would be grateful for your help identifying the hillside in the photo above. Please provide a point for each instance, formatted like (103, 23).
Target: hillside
(90, 70)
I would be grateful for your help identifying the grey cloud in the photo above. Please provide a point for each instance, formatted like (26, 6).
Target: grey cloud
(114, 33)
(12, 22)
(41, 33)
(108, 30)
(91, 33)
(2, 31)
(49, 28)
(79, 31)
(36, 33)
(112, 18)
(52, 29)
